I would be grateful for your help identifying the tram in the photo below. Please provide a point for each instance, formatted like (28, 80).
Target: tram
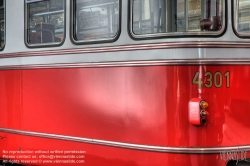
(125, 82)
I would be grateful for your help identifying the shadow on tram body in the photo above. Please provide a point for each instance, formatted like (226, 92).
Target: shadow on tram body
(238, 163)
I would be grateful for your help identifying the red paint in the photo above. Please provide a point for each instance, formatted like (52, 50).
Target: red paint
(10, 99)
(142, 105)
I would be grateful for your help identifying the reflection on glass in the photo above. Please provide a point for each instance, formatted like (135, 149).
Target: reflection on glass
(45, 21)
(244, 16)
(163, 16)
(2, 20)
(96, 19)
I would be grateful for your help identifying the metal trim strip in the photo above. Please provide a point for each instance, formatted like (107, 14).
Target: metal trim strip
(164, 149)
(129, 48)
(244, 61)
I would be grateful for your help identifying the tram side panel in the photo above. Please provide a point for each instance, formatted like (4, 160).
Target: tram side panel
(10, 109)
(139, 105)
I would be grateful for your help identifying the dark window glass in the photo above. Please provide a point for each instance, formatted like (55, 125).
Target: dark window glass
(243, 16)
(2, 23)
(95, 20)
(45, 21)
(170, 16)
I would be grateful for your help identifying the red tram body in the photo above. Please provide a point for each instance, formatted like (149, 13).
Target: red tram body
(128, 104)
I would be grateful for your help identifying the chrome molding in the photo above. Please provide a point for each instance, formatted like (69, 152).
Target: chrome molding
(132, 63)
(129, 48)
(164, 149)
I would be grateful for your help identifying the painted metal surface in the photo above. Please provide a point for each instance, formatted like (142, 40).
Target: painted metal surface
(138, 47)
(131, 93)
(146, 105)
(15, 43)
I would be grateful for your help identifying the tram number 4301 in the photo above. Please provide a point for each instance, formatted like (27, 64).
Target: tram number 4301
(212, 79)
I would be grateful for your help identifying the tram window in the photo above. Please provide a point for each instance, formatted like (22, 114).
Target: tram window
(2, 23)
(242, 17)
(95, 20)
(45, 22)
(177, 17)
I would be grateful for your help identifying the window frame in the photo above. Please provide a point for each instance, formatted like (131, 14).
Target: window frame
(211, 34)
(235, 17)
(26, 28)
(92, 41)
(4, 6)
